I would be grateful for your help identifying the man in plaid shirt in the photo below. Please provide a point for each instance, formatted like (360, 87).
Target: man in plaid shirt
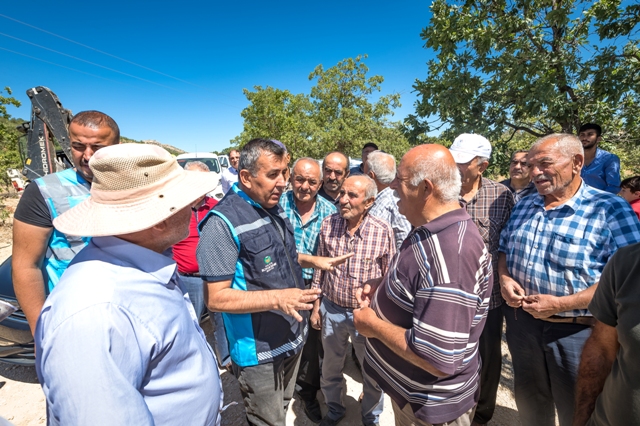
(552, 253)
(371, 240)
(489, 204)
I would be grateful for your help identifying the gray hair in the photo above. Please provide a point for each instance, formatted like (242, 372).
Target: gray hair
(445, 177)
(370, 189)
(197, 166)
(252, 151)
(480, 160)
(378, 162)
(311, 160)
(569, 145)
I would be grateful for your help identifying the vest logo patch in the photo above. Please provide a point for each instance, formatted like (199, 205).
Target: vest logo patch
(269, 265)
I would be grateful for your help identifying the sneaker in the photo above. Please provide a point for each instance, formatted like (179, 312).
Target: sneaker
(328, 421)
(312, 410)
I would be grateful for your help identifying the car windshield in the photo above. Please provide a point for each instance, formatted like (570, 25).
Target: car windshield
(212, 163)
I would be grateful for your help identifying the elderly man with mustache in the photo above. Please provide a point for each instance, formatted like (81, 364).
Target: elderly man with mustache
(552, 253)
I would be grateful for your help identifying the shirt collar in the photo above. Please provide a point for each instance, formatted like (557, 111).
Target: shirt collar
(160, 266)
(573, 203)
(446, 220)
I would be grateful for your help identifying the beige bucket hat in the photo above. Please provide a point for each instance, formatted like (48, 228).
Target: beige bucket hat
(134, 187)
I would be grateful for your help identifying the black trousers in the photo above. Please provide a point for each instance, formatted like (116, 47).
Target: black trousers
(308, 380)
(491, 355)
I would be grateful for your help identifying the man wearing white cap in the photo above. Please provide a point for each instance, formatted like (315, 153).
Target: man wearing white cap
(118, 341)
(489, 204)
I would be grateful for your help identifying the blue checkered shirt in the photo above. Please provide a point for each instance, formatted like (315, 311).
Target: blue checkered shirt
(386, 208)
(306, 234)
(563, 250)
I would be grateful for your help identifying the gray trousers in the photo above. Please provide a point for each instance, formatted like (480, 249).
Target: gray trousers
(267, 390)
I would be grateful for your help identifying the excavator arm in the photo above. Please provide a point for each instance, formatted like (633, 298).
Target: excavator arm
(49, 121)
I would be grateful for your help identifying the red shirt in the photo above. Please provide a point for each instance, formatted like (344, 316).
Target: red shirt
(184, 252)
(635, 205)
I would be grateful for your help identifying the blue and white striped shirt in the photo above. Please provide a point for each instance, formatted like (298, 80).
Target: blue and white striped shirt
(563, 250)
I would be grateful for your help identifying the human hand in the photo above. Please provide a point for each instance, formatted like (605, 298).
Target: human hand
(368, 289)
(364, 320)
(512, 292)
(292, 300)
(541, 305)
(329, 263)
(316, 319)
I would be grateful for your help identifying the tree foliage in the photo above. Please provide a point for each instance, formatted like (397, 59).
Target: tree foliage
(9, 156)
(533, 66)
(338, 114)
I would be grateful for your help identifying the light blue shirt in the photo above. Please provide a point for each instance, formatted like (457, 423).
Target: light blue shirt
(228, 178)
(563, 250)
(118, 343)
(386, 208)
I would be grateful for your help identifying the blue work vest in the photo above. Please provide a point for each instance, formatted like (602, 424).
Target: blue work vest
(267, 260)
(62, 191)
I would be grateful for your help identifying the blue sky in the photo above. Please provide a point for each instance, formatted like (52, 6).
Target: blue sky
(198, 56)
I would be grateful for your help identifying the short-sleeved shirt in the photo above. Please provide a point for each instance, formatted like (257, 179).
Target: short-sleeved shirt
(306, 234)
(437, 288)
(373, 246)
(616, 303)
(603, 172)
(490, 209)
(386, 208)
(563, 250)
(519, 195)
(32, 209)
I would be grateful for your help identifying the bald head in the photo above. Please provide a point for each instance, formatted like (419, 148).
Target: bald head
(435, 163)
(306, 178)
(335, 169)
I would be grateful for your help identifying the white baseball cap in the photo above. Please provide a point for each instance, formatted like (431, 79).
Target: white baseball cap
(467, 146)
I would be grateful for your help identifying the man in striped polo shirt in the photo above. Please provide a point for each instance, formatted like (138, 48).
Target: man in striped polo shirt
(424, 318)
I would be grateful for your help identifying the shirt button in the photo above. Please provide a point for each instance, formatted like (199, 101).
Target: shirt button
(535, 247)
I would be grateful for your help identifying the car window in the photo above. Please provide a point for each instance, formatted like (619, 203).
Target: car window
(212, 163)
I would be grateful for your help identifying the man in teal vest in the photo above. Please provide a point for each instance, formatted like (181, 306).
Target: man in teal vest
(36, 244)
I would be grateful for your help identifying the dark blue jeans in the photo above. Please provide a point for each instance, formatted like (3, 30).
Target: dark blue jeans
(545, 358)
(193, 286)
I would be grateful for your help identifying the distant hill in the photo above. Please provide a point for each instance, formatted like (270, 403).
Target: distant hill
(172, 149)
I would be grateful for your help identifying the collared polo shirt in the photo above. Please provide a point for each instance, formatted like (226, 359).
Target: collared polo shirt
(437, 288)
(373, 245)
(306, 234)
(228, 178)
(118, 343)
(563, 250)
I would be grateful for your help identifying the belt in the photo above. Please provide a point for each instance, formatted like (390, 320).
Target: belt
(196, 274)
(590, 321)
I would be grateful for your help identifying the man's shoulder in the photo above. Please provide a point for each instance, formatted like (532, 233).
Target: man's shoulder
(606, 155)
(494, 187)
(601, 199)
(377, 222)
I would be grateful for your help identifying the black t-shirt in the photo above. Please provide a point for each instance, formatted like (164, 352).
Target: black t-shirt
(32, 208)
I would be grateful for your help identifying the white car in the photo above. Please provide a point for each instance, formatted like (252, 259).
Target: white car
(224, 161)
(211, 160)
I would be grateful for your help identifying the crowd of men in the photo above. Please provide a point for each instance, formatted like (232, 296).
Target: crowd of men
(418, 265)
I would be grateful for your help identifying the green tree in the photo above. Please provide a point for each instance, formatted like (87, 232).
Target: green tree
(338, 114)
(9, 155)
(532, 66)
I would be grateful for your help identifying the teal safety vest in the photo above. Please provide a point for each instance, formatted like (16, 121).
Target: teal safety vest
(62, 191)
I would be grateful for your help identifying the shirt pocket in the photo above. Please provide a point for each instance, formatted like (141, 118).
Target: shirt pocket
(262, 255)
(363, 269)
(566, 252)
(489, 229)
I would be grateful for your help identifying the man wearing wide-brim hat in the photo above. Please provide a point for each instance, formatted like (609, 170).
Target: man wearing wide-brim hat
(117, 340)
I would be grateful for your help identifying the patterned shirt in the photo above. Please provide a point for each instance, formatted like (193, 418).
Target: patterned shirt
(603, 172)
(490, 210)
(519, 195)
(373, 245)
(306, 234)
(437, 288)
(386, 208)
(563, 250)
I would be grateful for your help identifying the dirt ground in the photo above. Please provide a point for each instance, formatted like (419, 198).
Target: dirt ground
(22, 401)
